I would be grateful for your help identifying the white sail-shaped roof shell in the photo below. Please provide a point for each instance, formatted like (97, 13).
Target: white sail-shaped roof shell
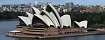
(66, 20)
(48, 20)
(30, 15)
(42, 18)
(36, 10)
(52, 17)
(26, 20)
(82, 23)
(56, 14)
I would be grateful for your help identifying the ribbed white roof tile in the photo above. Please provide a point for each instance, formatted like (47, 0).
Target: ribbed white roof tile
(82, 23)
(54, 19)
(36, 10)
(42, 18)
(66, 20)
(30, 15)
(56, 14)
(26, 20)
(48, 20)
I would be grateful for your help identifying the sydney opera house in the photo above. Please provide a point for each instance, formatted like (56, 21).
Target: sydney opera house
(47, 23)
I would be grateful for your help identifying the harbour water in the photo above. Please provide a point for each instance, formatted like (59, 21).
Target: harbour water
(9, 25)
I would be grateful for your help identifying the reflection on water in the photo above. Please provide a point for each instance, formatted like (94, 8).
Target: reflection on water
(6, 26)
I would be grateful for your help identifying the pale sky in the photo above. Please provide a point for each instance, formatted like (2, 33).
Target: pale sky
(81, 2)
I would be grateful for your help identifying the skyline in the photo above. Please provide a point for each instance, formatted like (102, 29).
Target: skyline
(81, 2)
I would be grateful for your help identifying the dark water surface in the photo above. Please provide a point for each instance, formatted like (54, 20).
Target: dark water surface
(6, 26)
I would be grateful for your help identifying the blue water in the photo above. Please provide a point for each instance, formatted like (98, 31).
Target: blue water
(6, 26)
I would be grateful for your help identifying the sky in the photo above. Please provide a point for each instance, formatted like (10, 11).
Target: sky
(81, 2)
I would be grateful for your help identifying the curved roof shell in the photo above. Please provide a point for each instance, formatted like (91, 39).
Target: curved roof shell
(50, 8)
(52, 17)
(26, 20)
(48, 20)
(42, 18)
(30, 15)
(82, 23)
(54, 20)
(36, 11)
(66, 20)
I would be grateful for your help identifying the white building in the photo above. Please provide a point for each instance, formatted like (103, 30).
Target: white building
(49, 16)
